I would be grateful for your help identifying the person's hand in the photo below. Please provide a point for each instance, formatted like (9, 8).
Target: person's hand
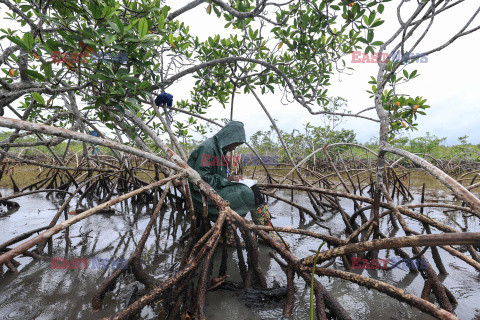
(235, 178)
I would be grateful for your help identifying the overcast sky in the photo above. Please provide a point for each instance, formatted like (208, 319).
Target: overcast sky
(449, 80)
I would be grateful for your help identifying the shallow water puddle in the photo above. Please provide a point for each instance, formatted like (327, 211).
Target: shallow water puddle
(41, 292)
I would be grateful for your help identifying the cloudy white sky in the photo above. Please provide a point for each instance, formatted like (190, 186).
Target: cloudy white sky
(449, 80)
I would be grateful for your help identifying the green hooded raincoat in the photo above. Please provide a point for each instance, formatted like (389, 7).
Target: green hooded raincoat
(206, 160)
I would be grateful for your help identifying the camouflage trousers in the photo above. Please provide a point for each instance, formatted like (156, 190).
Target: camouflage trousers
(260, 216)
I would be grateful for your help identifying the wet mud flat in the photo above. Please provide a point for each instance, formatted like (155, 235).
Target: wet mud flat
(41, 291)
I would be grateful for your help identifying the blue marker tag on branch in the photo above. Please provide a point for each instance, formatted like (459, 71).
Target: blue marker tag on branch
(165, 100)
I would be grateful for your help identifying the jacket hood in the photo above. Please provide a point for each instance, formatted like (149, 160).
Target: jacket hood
(233, 132)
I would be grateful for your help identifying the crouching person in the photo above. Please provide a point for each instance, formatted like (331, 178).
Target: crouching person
(210, 161)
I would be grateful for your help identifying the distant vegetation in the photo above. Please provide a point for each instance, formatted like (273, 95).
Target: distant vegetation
(436, 147)
(42, 150)
(301, 144)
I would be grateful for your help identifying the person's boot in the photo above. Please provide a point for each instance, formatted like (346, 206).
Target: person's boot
(261, 216)
(230, 237)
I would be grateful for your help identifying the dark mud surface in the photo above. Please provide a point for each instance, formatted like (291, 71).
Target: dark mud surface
(41, 292)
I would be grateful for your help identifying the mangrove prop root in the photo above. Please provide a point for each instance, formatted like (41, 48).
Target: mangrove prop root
(138, 171)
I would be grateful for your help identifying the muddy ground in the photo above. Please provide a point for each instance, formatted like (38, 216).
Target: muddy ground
(41, 292)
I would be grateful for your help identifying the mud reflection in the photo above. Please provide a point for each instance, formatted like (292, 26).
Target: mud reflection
(41, 292)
